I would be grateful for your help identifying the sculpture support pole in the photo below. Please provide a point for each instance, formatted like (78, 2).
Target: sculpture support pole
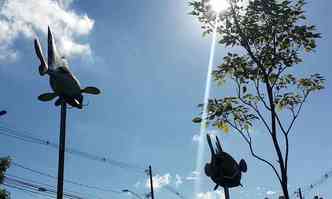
(62, 150)
(226, 190)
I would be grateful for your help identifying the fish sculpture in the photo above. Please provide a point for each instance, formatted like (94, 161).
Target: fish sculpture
(223, 169)
(64, 84)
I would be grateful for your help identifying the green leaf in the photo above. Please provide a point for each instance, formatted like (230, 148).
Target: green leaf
(223, 126)
(197, 120)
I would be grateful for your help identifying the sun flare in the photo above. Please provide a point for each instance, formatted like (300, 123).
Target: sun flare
(218, 5)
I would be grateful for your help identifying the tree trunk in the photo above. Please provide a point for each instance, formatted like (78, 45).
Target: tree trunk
(283, 170)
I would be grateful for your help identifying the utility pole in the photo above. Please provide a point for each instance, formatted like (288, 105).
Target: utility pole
(61, 163)
(151, 182)
(299, 193)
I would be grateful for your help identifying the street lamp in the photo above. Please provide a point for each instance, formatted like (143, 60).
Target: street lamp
(132, 193)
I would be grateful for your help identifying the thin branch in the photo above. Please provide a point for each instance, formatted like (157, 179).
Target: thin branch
(259, 93)
(253, 153)
(297, 113)
(253, 107)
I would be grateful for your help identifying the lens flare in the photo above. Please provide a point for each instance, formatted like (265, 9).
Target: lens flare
(200, 152)
(218, 5)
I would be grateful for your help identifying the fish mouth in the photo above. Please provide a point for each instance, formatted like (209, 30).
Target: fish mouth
(76, 101)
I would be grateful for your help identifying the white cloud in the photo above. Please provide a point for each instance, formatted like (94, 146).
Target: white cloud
(193, 176)
(270, 192)
(178, 180)
(196, 138)
(137, 184)
(27, 18)
(159, 181)
(211, 195)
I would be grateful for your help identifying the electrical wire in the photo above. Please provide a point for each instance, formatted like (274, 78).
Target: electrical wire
(65, 180)
(28, 191)
(322, 180)
(47, 190)
(40, 184)
(23, 136)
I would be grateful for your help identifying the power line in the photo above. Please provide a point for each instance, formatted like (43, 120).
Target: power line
(48, 190)
(23, 136)
(322, 180)
(28, 191)
(174, 191)
(40, 184)
(66, 180)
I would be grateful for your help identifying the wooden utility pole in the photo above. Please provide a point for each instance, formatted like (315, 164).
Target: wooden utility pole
(300, 193)
(62, 148)
(151, 182)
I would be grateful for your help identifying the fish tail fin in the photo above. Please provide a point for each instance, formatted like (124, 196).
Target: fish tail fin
(43, 68)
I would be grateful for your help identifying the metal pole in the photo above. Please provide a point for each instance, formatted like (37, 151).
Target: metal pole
(62, 150)
(151, 182)
(226, 192)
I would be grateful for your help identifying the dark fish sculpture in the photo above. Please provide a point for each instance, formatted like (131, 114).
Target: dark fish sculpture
(223, 169)
(63, 82)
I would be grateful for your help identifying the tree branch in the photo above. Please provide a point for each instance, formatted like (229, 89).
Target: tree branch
(253, 107)
(253, 153)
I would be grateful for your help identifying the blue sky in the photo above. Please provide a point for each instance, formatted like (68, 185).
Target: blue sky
(150, 60)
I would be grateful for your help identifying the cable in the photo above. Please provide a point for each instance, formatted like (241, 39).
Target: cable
(322, 180)
(47, 185)
(28, 191)
(22, 136)
(65, 180)
(174, 191)
(26, 185)
(35, 187)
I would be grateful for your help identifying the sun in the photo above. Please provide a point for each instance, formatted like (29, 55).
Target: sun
(218, 5)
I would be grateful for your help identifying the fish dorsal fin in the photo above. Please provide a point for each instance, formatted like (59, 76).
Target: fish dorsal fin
(210, 145)
(219, 149)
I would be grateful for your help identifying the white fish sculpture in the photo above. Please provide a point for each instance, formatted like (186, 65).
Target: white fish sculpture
(64, 84)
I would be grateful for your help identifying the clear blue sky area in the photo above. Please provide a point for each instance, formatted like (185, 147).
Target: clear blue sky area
(150, 61)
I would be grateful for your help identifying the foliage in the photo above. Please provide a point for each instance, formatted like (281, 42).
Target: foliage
(4, 165)
(271, 38)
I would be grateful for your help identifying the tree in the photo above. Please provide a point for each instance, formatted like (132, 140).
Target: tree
(4, 165)
(267, 40)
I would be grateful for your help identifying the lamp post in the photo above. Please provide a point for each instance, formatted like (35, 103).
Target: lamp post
(66, 88)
